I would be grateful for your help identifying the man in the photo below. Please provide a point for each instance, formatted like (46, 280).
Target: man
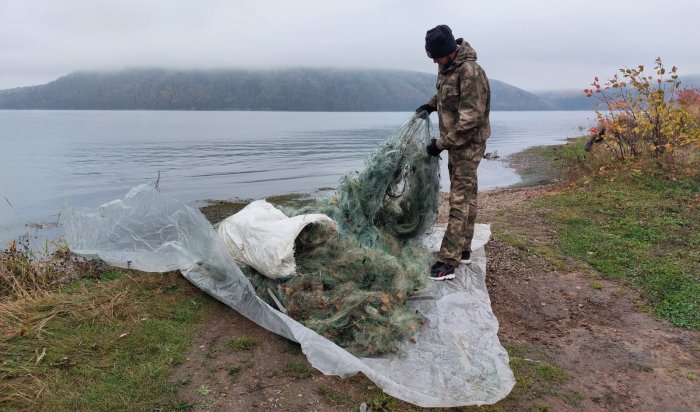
(463, 101)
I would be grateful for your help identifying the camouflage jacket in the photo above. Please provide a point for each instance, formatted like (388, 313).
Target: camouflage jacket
(463, 101)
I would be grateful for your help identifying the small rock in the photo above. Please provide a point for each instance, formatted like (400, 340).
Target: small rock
(597, 300)
(554, 312)
(686, 340)
(363, 407)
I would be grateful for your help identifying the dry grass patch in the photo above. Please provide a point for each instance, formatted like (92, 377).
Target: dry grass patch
(91, 343)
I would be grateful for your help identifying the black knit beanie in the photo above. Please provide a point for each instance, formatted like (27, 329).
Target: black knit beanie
(439, 42)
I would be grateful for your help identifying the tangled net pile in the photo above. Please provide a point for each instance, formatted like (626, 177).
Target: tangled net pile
(351, 285)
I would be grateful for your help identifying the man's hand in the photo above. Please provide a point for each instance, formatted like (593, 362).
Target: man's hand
(426, 107)
(432, 148)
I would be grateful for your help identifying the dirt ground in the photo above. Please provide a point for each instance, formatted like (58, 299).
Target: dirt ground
(614, 354)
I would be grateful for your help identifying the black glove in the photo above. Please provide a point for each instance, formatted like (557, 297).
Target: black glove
(425, 107)
(432, 148)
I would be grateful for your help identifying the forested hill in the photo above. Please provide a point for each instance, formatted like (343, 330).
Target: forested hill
(291, 89)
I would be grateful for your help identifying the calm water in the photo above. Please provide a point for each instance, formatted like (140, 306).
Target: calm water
(89, 157)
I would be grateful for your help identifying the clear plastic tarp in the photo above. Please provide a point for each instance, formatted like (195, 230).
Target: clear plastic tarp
(456, 358)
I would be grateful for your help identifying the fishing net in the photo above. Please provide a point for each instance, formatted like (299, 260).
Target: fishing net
(352, 284)
(397, 191)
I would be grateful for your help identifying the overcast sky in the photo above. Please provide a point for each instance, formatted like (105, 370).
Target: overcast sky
(535, 45)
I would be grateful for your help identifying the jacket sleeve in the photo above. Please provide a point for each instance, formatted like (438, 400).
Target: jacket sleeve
(433, 102)
(472, 106)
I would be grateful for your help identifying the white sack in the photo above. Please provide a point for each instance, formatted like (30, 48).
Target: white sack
(263, 237)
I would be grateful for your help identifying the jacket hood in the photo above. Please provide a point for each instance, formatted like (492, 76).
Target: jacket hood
(465, 53)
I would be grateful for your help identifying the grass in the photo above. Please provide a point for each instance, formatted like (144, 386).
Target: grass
(110, 275)
(637, 228)
(534, 376)
(573, 398)
(538, 165)
(333, 397)
(382, 402)
(241, 343)
(298, 370)
(98, 344)
(235, 371)
(204, 390)
(550, 373)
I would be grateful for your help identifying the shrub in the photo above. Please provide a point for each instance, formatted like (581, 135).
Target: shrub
(647, 117)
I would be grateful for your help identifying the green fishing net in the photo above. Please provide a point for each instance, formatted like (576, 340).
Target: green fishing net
(352, 284)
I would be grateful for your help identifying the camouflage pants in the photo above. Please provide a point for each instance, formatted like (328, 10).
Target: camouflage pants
(462, 165)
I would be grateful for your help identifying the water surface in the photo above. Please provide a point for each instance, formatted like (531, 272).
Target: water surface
(89, 157)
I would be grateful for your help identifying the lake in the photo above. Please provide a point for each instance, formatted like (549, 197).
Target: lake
(86, 158)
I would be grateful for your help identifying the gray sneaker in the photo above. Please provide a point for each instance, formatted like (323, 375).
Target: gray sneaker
(442, 271)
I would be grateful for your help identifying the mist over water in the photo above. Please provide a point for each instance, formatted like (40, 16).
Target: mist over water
(86, 158)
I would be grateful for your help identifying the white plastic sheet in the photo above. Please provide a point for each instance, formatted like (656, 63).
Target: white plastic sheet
(263, 237)
(457, 359)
